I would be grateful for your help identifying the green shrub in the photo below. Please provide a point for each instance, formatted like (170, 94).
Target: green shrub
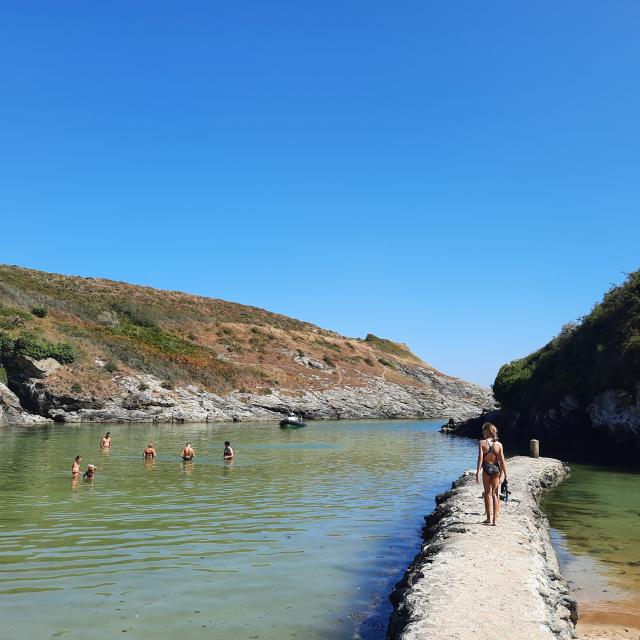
(601, 352)
(392, 348)
(141, 316)
(32, 346)
(6, 344)
(76, 387)
(329, 345)
(387, 363)
(143, 386)
(3, 376)
(369, 361)
(168, 384)
(151, 336)
(12, 322)
(111, 366)
(12, 311)
(40, 312)
(329, 360)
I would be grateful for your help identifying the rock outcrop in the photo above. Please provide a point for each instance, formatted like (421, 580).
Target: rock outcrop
(76, 349)
(11, 411)
(472, 581)
(612, 417)
(143, 398)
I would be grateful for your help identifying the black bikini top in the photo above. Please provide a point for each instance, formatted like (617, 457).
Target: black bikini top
(491, 450)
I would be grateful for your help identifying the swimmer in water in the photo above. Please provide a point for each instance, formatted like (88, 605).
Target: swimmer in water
(90, 472)
(75, 470)
(188, 453)
(228, 451)
(149, 452)
(105, 443)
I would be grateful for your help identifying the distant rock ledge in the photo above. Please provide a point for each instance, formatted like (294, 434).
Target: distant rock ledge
(472, 581)
(145, 398)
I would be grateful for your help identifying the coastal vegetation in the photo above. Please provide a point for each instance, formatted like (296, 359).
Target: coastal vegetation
(32, 346)
(100, 329)
(600, 352)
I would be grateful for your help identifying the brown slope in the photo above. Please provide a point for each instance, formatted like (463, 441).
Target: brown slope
(185, 339)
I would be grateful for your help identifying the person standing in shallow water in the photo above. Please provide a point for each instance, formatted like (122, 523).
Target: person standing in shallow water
(105, 443)
(149, 452)
(493, 465)
(75, 469)
(90, 473)
(228, 451)
(188, 453)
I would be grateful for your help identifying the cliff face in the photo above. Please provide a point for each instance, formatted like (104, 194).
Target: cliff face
(584, 385)
(80, 349)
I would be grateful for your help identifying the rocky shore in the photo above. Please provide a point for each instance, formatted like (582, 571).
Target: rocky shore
(476, 581)
(612, 417)
(145, 398)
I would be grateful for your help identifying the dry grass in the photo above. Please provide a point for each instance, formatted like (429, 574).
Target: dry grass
(217, 345)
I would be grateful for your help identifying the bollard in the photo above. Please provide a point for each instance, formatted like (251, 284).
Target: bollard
(534, 448)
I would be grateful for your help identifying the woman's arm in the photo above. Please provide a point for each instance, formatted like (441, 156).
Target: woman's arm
(479, 465)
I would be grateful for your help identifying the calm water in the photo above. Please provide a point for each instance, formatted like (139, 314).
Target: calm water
(595, 517)
(302, 536)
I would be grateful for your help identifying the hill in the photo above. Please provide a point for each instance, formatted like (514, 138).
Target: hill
(583, 387)
(75, 349)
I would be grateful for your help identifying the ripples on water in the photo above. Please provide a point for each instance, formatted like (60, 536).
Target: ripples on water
(302, 536)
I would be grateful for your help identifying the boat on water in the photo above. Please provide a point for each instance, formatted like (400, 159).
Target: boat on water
(292, 421)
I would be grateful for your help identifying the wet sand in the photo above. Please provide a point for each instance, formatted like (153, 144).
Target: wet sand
(606, 632)
(610, 620)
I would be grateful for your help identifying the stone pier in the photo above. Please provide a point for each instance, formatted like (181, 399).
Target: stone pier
(474, 581)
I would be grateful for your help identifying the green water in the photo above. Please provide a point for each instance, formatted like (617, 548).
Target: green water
(302, 536)
(595, 519)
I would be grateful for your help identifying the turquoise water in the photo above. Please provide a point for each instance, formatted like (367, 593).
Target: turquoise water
(595, 519)
(302, 536)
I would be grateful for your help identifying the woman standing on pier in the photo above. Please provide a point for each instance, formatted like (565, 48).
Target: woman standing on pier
(491, 461)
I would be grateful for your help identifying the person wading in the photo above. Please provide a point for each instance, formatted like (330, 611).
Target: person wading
(491, 461)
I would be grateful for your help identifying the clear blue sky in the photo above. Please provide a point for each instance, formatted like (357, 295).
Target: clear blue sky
(463, 177)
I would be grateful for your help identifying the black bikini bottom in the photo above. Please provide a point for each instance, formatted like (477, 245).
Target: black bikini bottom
(491, 469)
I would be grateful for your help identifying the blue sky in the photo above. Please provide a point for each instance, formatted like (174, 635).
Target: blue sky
(463, 177)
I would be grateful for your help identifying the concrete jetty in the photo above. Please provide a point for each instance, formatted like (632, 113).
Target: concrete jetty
(473, 581)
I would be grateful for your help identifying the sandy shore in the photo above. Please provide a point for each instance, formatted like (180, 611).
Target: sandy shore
(606, 632)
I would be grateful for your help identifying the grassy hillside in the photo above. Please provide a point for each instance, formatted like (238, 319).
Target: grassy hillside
(97, 327)
(601, 352)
